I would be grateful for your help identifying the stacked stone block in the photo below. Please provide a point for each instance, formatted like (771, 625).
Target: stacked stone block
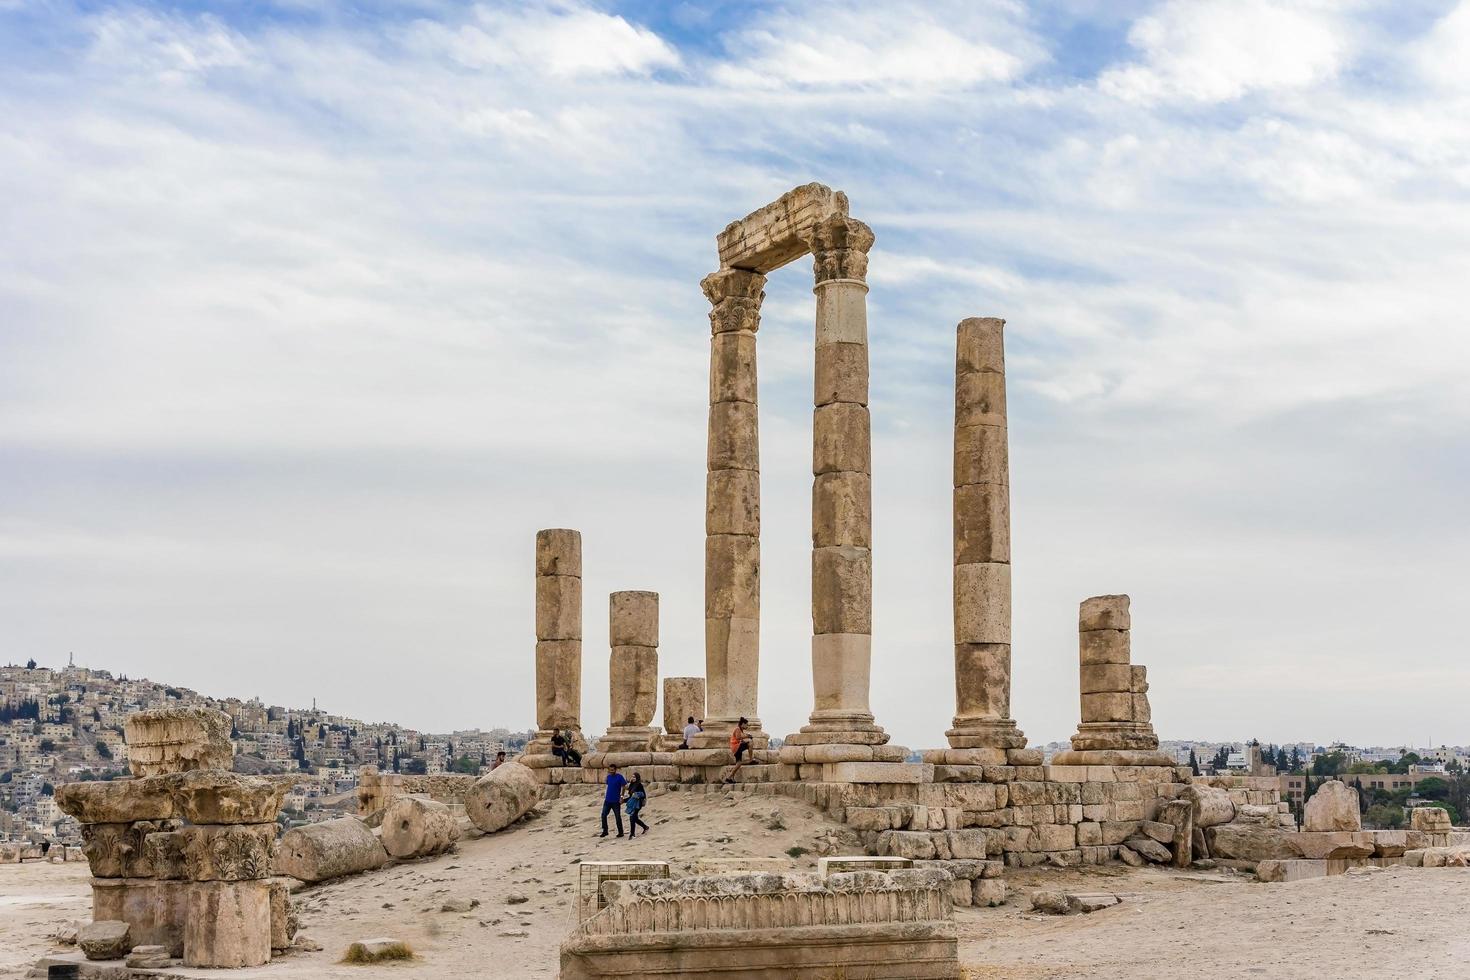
(632, 682)
(181, 853)
(558, 644)
(683, 699)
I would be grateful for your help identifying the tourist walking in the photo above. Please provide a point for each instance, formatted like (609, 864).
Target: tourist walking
(612, 799)
(637, 797)
(739, 746)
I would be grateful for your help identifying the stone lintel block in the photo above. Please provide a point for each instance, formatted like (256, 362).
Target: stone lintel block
(558, 607)
(117, 800)
(559, 684)
(731, 576)
(1101, 678)
(559, 552)
(1104, 647)
(683, 699)
(230, 852)
(732, 367)
(772, 236)
(982, 523)
(878, 772)
(841, 664)
(842, 590)
(734, 436)
(982, 602)
(732, 502)
(228, 924)
(841, 439)
(980, 399)
(842, 314)
(980, 345)
(633, 619)
(633, 686)
(1113, 706)
(981, 455)
(842, 510)
(982, 673)
(1104, 612)
(841, 374)
(216, 796)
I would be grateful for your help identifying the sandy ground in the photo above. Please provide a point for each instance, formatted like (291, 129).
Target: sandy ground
(1398, 921)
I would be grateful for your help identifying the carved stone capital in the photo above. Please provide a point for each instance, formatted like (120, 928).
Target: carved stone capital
(839, 247)
(735, 297)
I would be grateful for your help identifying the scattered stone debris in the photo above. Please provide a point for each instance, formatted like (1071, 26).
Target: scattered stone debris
(377, 951)
(459, 904)
(109, 939)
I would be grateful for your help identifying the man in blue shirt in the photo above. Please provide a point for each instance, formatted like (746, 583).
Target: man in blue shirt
(612, 799)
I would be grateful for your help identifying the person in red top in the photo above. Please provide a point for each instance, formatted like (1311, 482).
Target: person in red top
(739, 745)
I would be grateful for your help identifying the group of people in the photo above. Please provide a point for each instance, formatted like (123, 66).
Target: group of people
(622, 793)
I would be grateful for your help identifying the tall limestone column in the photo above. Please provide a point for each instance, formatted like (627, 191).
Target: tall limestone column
(842, 494)
(632, 678)
(558, 641)
(732, 508)
(982, 542)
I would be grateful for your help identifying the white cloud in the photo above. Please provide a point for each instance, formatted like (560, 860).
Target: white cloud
(1221, 50)
(165, 46)
(565, 41)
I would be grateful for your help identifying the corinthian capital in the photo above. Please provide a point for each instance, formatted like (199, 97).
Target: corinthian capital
(839, 247)
(735, 297)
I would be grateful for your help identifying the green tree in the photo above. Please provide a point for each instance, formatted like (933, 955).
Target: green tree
(1329, 764)
(1433, 788)
(465, 764)
(1384, 816)
(47, 745)
(103, 752)
(1193, 762)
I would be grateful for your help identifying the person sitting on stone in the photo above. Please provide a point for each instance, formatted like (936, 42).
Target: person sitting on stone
(690, 730)
(574, 758)
(739, 745)
(637, 797)
(559, 746)
(500, 759)
(612, 799)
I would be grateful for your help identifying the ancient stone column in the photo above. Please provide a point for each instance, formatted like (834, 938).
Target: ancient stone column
(732, 506)
(982, 542)
(632, 675)
(842, 494)
(558, 638)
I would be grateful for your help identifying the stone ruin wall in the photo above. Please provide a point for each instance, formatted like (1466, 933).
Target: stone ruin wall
(375, 790)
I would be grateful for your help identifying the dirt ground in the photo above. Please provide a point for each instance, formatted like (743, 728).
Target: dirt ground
(1398, 921)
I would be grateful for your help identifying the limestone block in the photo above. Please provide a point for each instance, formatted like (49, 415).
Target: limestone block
(231, 852)
(1333, 806)
(982, 523)
(105, 940)
(982, 681)
(1150, 849)
(915, 845)
(732, 502)
(558, 684)
(989, 892)
(1099, 647)
(228, 924)
(1212, 806)
(1334, 845)
(1105, 678)
(283, 915)
(558, 607)
(1056, 837)
(218, 796)
(841, 374)
(841, 439)
(167, 740)
(116, 850)
(732, 656)
(153, 910)
(1179, 814)
(734, 440)
(1427, 819)
(1107, 707)
(731, 576)
(981, 455)
(842, 314)
(732, 367)
(842, 590)
(559, 552)
(1390, 843)
(633, 619)
(1104, 612)
(1142, 712)
(841, 664)
(980, 345)
(633, 686)
(982, 600)
(1138, 680)
(1250, 842)
(842, 510)
(770, 237)
(980, 399)
(501, 797)
(333, 848)
(117, 801)
(683, 699)
(878, 772)
(414, 827)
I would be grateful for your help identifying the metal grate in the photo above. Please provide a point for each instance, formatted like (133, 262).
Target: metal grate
(592, 874)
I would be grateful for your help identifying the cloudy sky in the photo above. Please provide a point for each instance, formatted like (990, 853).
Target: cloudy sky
(312, 313)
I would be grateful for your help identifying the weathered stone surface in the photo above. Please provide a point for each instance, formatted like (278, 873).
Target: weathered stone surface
(1105, 678)
(980, 345)
(283, 914)
(982, 523)
(148, 958)
(215, 796)
(116, 850)
(501, 797)
(1333, 844)
(1251, 842)
(980, 399)
(732, 367)
(839, 245)
(633, 619)
(683, 699)
(153, 910)
(842, 510)
(333, 848)
(982, 681)
(558, 607)
(559, 552)
(165, 853)
(414, 827)
(982, 600)
(632, 686)
(1179, 814)
(1212, 806)
(105, 940)
(1050, 902)
(1150, 849)
(1428, 819)
(1131, 857)
(1097, 647)
(841, 374)
(228, 924)
(1104, 612)
(732, 502)
(772, 236)
(735, 297)
(1089, 902)
(731, 577)
(117, 800)
(842, 590)
(1333, 806)
(231, 852)
(840, 439)
(734, 436)
(981, 455)
(168, 740)
(558, 684)
(841, 664)
(1109, 706)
